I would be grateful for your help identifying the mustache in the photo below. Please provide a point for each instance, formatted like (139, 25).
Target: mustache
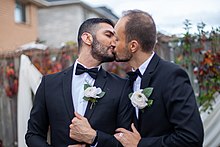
(111, 47)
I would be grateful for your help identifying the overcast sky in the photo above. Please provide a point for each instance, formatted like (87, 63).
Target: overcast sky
(169, 15)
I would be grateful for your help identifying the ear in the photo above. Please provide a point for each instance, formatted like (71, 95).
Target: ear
(133, 45)
(87, 38)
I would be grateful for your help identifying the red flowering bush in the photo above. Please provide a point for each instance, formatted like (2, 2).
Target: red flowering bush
(11, 83)
(199, 54)
(118, 68)
(52, 61)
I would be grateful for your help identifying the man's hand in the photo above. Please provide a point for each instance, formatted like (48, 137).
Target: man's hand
(80, 129)
(128, 138)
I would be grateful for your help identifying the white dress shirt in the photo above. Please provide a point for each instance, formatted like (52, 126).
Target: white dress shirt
(137, 82)
(78, 82)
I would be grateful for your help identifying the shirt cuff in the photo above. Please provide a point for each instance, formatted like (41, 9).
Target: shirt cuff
(95, 141)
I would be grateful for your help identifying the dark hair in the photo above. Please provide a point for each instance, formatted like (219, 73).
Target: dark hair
(141, 27)
(90, 26)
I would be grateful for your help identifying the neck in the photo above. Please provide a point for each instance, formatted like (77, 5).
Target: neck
(138, 59)
(86, 59)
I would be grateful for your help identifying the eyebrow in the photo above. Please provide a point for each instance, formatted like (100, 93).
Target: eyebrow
(109, 31)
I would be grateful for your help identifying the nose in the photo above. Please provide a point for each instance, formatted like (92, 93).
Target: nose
(113, 43)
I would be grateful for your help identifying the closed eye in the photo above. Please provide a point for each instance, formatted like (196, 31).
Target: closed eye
(109, 35)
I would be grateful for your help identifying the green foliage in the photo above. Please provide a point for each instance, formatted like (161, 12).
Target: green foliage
(130, 94)
(86, 86)
(71, 43)
(101, 94)
(149, 103)
(147, 91)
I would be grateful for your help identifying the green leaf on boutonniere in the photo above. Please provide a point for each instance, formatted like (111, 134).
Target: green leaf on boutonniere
(147, 91)
(149, 103)
(86, 86)
(93, 100)
(130, 95)
(86, 98)
(101, 94)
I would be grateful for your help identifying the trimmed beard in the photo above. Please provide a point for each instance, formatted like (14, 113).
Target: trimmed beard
(99, 52)
(127, 56)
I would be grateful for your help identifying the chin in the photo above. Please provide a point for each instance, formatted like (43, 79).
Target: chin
(121, 60)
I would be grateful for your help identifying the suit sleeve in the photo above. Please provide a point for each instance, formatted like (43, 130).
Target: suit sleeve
(38, 123)
(124, 118)
(183, 114)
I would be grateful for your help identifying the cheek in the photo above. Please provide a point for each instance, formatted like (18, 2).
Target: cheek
(120, 47)
(105, 41)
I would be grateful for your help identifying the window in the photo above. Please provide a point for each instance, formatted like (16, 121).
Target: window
(20, 12)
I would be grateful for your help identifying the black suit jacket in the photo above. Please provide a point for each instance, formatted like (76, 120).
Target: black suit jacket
(173, 119)
(53, 107)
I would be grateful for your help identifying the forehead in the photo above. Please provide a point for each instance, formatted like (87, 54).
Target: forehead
(104, 27)
(120, 25)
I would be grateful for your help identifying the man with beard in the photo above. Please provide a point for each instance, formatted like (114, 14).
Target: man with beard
(83, 100)
(163, 98)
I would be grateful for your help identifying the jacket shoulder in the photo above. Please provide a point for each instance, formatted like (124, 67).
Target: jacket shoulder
(59, 74)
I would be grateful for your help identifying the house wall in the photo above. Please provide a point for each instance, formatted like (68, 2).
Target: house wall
(53, 26)
(15, 34)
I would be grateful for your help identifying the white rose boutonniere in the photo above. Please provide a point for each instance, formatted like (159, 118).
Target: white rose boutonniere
(140, 99)
(92, 94)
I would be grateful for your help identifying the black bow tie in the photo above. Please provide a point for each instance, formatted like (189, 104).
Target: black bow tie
(92, 71)
(133, 75)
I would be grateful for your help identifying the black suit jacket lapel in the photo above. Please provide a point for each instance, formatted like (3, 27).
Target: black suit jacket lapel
(145, 81)
(99, 82)
(135, 119)
(67, 86)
